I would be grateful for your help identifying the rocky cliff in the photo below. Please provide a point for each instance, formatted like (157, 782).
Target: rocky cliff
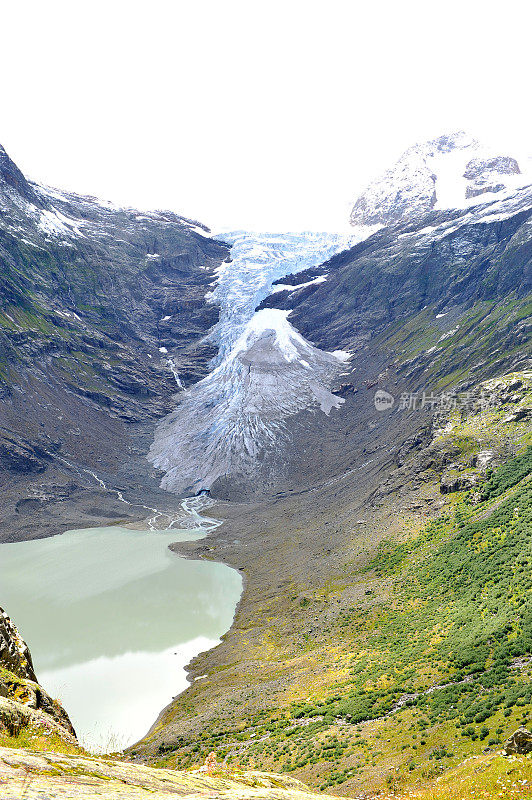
(23, 703)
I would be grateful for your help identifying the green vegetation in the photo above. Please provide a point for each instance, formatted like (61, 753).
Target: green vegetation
(508, 475)
(479, 335)
(482, 778)
(40, 739)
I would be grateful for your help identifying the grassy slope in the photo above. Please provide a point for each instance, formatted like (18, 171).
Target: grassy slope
(488, 333)
(479, 778)
(451, 609)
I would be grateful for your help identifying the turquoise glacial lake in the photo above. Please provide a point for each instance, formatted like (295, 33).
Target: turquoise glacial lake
(112, 617)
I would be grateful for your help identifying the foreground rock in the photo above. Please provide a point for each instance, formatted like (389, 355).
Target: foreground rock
(43, 775)
(14, 653)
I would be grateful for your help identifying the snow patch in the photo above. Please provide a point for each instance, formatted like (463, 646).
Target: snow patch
(448, 334)
(54, 223)
(342, 355)
(283, 287)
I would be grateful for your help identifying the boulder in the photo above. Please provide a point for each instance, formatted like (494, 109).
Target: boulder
(518, 414)
(13, 716)
(453, 482)
(519, 742)
(483, 460)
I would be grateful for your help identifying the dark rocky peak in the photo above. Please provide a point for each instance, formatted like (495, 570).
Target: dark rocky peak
(488, 174)
(502, 164)
(447, 143)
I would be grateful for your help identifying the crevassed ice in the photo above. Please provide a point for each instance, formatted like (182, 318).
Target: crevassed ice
(264, 372)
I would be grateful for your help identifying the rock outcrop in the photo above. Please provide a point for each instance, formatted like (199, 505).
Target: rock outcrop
(22, 701)
(14, 653)
(84, 777)
(488, 174)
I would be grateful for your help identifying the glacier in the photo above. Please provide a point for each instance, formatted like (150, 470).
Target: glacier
(264, 372)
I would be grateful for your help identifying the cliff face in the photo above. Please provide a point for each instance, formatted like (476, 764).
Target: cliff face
(102, 309)
(23, 703)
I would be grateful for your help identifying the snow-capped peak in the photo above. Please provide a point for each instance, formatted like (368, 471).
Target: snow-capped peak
(453, 171)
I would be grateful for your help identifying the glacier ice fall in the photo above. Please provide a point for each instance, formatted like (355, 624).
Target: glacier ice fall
(264, 372)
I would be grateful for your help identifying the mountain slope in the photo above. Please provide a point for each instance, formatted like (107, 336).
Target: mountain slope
(101, 309)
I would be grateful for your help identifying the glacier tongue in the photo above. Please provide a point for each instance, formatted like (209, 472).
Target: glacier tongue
(265, 371)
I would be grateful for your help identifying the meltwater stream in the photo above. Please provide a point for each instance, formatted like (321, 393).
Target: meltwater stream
(265, 371)
(113, 617)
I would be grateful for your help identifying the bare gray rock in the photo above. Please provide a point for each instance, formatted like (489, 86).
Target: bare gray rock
(504, 165)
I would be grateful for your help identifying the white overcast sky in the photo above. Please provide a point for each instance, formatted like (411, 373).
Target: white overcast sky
(244, 114)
